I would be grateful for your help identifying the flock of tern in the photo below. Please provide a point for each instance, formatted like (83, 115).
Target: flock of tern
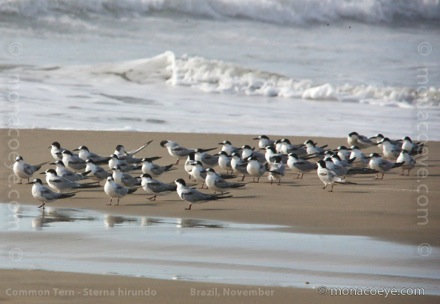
(271, 158)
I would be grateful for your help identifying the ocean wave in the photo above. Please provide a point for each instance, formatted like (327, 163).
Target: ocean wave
(286, 12)
(216, 76)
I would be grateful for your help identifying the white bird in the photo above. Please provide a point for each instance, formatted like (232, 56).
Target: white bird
(114, 190)
(61, 184)
(343, 152)
(73, 161)
(96, 172)
(300, 165)
(390, 151)
(287, 147)
(354, 139)
(114, 161)
(239, 166)
(276, 170)
(153, 169)
(361, 160)
(327, 176)
(381, 165)
(155, 187)
(408, 161)
(255, 168)
(207, 159)
(264, 141)
(124, 179)
(188, 166)
(24, 170)
(271, 154)
(55, 150)
(412, 147)
(70, 175)
(178, 151)
(224, 161)
(247, 151)
(193, 196)
(214, 182)
(228, 147)
(313, 149)
(46, 195)
(84, 153)
(128, 156)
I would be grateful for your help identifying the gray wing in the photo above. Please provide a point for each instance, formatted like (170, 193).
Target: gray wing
(385, 165)
(101, 173)
(221, 183)
(29, 169)
(156, 169)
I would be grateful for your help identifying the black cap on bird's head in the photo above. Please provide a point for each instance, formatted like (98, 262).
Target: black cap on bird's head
(407, 138)
(353, 133)
(235, 154)
(110, 178)
(180, 181)
(37, 181)
(55, 144)
(89, 160)
(354, 148)
(309, 142)
(18, 158)
(81, 148)
(285, 140)
(67, 152)
(210, 170)
(58, 162)
(51, 171)
(114, 156)
(271, 148)
(225, 142)
(146, 175)
(163, 143)
(222, 153)
(119, 147)
(197, 162)
(321, 163)
(374, 155)
(294, 155)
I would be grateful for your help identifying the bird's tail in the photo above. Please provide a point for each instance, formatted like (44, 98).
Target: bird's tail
(90, 185)
(396, 165)
(169, 168)
(353, 171)
(131, 190)
(237, 185)
(37, 167)
(86, 173)
(66, 195)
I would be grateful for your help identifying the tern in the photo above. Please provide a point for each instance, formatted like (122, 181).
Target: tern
(84, 153)
(239, 166)
(61, 184)
(361, 160)
(155, 187)
(390, 151)
(73, 161)
(276, 170)
(193, 196)
(70, 175)
(55, 150)
(207, 159)
(287, 147)
(363, 142)
(382, 165)
(313, 149)
(125, 167)
(408, 161)
(153, 169)
(24, 170)
(46, 195)
(214, 182)
(412, 147)
(178, 151)
(224, 161)
(96, 172)
(247, 151)
(228, 147)
(114, 190)
(327, 176)
(128, 156)
(271, 154)
(255, 168)
(124, 179)
(264, 141)
(300, 165)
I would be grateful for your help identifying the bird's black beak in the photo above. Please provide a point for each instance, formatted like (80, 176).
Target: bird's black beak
(75, 149)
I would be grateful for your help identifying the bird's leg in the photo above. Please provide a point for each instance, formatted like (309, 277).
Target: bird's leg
(325, 186)
(242, 179)
(153, 198)
(117, 204)
(110, 202)
(42, 205)
(331, 189)
(189, 207)
(382, 175)
(279, 182)
(377, 176)
(177, 162)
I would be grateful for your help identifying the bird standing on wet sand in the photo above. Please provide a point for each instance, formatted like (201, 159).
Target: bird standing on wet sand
(114, 190)
(381, 165)
(24, 170)
(193, 196)
(46, 195)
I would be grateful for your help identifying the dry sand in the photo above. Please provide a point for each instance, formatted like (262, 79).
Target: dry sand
(390, 209)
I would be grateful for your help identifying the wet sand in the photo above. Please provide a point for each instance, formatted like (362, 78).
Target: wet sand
(389, 209)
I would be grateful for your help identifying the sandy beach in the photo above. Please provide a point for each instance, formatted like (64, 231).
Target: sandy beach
(391, 209)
